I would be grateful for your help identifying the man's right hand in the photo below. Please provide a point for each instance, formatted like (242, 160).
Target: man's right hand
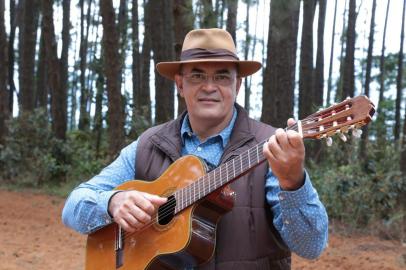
(133, 209)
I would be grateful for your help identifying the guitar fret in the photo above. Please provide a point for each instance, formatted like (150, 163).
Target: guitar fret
(233, 169)
(241, 163)
(249, 160)
(228, 177)
(257, 154)
(220, 174)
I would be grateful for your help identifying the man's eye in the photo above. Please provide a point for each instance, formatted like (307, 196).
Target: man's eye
(222, 77)
(197, 76)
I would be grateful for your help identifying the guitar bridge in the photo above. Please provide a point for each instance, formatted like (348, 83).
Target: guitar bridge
(119, 247)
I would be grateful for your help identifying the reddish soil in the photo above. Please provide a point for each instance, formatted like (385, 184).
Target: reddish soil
(33, 237)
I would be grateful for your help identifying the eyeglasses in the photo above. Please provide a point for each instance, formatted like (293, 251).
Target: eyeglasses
(222, 79)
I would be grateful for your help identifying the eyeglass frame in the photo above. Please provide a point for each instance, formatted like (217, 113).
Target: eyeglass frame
(207, 76)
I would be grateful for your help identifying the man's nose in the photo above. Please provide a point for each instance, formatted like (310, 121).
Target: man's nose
(209, 84)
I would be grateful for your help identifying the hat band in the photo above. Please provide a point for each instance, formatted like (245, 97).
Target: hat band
(199, 53)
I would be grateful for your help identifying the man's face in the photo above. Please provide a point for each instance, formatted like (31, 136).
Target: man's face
(209, 90)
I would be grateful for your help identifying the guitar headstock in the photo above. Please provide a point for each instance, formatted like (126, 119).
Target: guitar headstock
(351, 113)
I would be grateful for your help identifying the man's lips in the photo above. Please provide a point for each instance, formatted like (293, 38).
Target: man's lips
(208, 100)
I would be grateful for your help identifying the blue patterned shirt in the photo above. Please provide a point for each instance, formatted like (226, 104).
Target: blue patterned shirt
(299, 216)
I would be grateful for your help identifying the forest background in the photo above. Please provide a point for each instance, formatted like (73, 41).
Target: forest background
(77, 83)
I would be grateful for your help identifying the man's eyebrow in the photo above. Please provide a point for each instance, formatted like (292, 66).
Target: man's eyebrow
(197, 70)
(222, 71)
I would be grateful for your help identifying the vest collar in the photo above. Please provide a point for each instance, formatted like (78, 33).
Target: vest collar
(168, 139)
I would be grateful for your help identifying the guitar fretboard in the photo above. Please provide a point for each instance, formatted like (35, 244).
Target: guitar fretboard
(218, 177)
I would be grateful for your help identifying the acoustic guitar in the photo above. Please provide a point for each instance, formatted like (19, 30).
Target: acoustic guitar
(183, 231)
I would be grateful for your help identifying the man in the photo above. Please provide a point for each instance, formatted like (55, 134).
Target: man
(276, 209)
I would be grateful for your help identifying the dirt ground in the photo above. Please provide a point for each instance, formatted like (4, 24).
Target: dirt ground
(33, 237)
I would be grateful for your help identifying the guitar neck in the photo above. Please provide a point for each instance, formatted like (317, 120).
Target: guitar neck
(351, 113)
(225, 173)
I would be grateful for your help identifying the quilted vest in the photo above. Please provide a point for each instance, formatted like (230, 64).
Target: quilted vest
(246, 237)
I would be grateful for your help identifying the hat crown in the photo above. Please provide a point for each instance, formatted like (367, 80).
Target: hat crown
(209, 39)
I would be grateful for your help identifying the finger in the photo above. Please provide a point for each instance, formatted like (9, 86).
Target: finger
(291, 122)
(121, 222)
(282, 138)
(155, 199)
(143, 203)
(267, 152)
(133, 222)
(274, 147)
(139, 214)
(295, 140)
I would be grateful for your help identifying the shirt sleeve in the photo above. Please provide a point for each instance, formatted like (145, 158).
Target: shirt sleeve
(299, 216)
(86, 208)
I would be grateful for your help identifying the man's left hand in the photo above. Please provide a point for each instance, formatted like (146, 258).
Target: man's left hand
(285, 153)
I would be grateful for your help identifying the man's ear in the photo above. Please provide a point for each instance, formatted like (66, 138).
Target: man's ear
(179, 84)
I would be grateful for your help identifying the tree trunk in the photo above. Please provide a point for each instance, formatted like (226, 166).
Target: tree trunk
(402, 196)
(42, 78)
(58, 97)
(13, 23)
(208, 17)
(28, 34)
(330, 69)
(363, 154)
(306, 61)
(115, 119)
(399, 78)
(231, 26)
(64, 64)
(136, 65)
(4, 92)
(122, 31)
(247, 44)
(84, 117)
(98, 115)
(163, 50)
(218, 11)
(319, 72)
(380, 121)
(279, 74)
(144, 99)
(339, 90)
(348, 75)
(183, 23)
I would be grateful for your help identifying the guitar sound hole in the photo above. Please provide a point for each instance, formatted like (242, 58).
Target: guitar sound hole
(167, 211)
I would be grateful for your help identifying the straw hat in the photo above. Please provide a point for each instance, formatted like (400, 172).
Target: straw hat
(208, 45)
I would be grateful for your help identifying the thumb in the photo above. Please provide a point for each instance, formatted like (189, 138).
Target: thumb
(155, 199)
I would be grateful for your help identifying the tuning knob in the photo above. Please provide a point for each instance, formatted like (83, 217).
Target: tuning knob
(356, 132)
(329, 141)
(342, 137)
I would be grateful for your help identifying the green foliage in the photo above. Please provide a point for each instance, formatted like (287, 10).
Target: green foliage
(361, 194)
(32, 157)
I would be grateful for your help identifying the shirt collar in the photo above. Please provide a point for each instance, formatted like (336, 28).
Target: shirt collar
(186, 130)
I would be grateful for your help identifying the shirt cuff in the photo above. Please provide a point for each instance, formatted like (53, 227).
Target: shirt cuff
(296, 198)
(104, 204)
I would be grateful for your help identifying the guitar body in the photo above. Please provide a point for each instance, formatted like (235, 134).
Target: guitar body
(187, 239)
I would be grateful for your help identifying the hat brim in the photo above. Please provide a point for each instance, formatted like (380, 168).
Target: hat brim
(170, 69)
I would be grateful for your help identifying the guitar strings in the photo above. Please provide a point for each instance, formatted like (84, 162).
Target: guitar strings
(168, 208)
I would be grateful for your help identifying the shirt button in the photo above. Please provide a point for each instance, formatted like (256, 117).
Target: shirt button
(190, 134)
(281, 197)
(199, 148)
(286, 222)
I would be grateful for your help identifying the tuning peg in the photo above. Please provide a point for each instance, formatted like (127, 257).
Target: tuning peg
(329, 141)
(356, 133)
(342, 137)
